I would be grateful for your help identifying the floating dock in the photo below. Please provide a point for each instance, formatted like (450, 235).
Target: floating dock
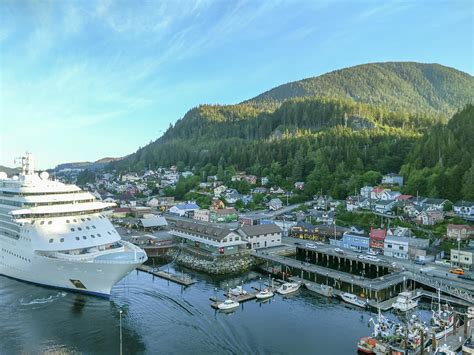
(252, 295)
(182, 280)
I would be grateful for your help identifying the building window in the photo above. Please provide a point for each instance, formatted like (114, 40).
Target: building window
(67, 220)
(49, 222)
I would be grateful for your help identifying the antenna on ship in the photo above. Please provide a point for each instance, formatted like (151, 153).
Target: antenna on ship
(27, 164)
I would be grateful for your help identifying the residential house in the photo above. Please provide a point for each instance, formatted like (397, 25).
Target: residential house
(299, 185)
(392, 179)
(463, 258)
(217, 204)
(202, 215)
(384, 206)
(275, 204)
(434, 203)
(325, 217)
(355, 241)
(376, 192)
(464, 208)
(260, 190)
(366, 191)
(219, 190)
(352, 203)
(430, 217)
(184, 208)
(460, 231)
(377, 239)
(126, 200)
(208, 238)
(249, 220)
(261, 235)
(264, 180)
(399, 232)
(239, 175)
(232, 198)
(251, 179)
(187, 174)
(388, 195)
(276, 190)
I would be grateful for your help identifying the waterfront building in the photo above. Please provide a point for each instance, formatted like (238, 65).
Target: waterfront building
(463, 258)
(377, 239)
(261, 235)
(208, 238)
(184, 208)
(460, 231)
(396, 247)
(202, 215)
(464, 208)
(355, 241)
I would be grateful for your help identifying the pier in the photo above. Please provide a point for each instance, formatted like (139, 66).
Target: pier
(244, 297)
(183, 280)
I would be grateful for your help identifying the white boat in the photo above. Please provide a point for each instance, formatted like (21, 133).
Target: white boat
(444, 350)
(353, 299)
(288, 287)
(57, 235)
(264, 294)
(239, 290)
(404, 302)
(320, 289)
(228, 305)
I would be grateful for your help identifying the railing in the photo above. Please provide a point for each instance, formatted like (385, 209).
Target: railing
(452, 290)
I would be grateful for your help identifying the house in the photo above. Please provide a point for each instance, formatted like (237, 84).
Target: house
(202, 215)
(384, 206)
(352, 203)
(388, 195)
(275, 204)
(355, 241)
(219, 190)
(249, 220)
(460, 231)
(276, 190)
(153, 221)
(304, 230)
(463, 258)
(377, 239)
(396, 247)
(434, 203)
(205, 185)
(376, 192)
(260, 190)
(153, 202)
(208, 238)
(217, 204)
(187, 174)
(392, 179)
(261, 235)
(366, 191)
(325, 217)
(239, 175)
(184, 208)
(399, 232)
(264, 180)
(251, 179)
(127, 200)
(232, 198)
(464, 208)
(429, 218)
(225, 215)
(299, 185)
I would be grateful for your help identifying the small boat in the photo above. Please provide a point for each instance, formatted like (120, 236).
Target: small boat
(370, 345)
(264, 294)
(444, 350)
(321, 289)
(228, 304)
(404, 302)
(239, 290)
(288, 287)
(353, 299)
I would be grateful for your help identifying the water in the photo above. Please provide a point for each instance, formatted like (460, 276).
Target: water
(162, 317)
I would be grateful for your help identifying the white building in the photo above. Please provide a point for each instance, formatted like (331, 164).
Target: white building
(396, 247)
(261, 235)
(202, 215)
(183, 208)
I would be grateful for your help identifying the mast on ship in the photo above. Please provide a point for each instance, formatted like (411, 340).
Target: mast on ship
(27, 164)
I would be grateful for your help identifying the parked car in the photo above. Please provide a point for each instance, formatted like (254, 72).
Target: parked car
(420, 262)
(371, 252)
(311, 245)
(319, 243)
(360, 256)
(339, 251)
(457, 271)
(372, 258)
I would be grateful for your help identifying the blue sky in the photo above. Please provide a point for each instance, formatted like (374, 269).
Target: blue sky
(82, 80)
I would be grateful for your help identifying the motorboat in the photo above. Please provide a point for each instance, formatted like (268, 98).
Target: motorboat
(239, 290)
(321, 289)
(404, 302)
(228, 305)
(288, 287)
(353, 299)
(264, 294)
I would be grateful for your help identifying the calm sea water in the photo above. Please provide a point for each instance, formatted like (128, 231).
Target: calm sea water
(164, 318)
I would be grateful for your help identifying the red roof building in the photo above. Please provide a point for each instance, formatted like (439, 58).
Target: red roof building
(377, 238)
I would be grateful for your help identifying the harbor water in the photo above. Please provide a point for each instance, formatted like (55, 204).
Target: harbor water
(160, 317)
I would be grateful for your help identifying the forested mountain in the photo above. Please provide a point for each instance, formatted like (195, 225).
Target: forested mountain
(9, 171)
(335, 141)
(416, 87)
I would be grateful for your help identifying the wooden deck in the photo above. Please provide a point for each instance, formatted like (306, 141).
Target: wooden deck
(182, 280)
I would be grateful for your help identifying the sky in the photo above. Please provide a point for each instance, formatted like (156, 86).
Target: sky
(83, 80)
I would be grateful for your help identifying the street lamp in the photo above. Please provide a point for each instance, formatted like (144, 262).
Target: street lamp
(120, 315)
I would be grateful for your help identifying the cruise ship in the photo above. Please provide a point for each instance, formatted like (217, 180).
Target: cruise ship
(57, 235)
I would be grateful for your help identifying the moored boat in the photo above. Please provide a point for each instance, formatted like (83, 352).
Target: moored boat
(264, 294)
(321, 289)
(405, 302)
(288, 287)
(353, 299)
(228, 305)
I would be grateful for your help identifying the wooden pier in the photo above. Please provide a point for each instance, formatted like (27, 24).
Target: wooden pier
(182, 280)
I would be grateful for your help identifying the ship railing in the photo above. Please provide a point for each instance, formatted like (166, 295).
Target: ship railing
(84, 256)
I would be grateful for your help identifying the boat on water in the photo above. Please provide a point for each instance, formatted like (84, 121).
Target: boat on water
(237, 291)
(264, 294)
(288, 287)
(228, 305)
(353, 299)
(405, 302)
(57, 235)
(321, 289)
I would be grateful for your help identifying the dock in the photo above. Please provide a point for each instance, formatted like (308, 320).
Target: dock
(181, 280)
(252, 295)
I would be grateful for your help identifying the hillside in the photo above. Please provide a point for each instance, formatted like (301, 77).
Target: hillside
(334, 142)
(9, 171)
(414, 87)
(99, 164)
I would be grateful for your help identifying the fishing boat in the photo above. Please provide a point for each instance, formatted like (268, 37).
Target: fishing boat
(468, 346)
(288, 287)
(442, 320)
(239, 290)
(228, 305)
(444, 350)
(353, 299)
(405, 302)
(264, 294)
(321, 289)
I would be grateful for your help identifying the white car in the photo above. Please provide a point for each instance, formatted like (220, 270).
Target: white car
(361, 257)
(370, 252)
(319, 243)
(339, 251)
(311, 245)
(372, 258)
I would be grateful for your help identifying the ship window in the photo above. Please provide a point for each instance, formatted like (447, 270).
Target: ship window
(77, 238)
(75, 220)
(98, 234)
(49, 222)
(33, 222)
(61, 240)
(84, 237)
(42, 222)
(93, 227)
(51, 240)
(83, 220)
(79, 228)
(92, 235)
(109, 232)
(67, 220)
(72, 229)
(87, 227)
(88, 219)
